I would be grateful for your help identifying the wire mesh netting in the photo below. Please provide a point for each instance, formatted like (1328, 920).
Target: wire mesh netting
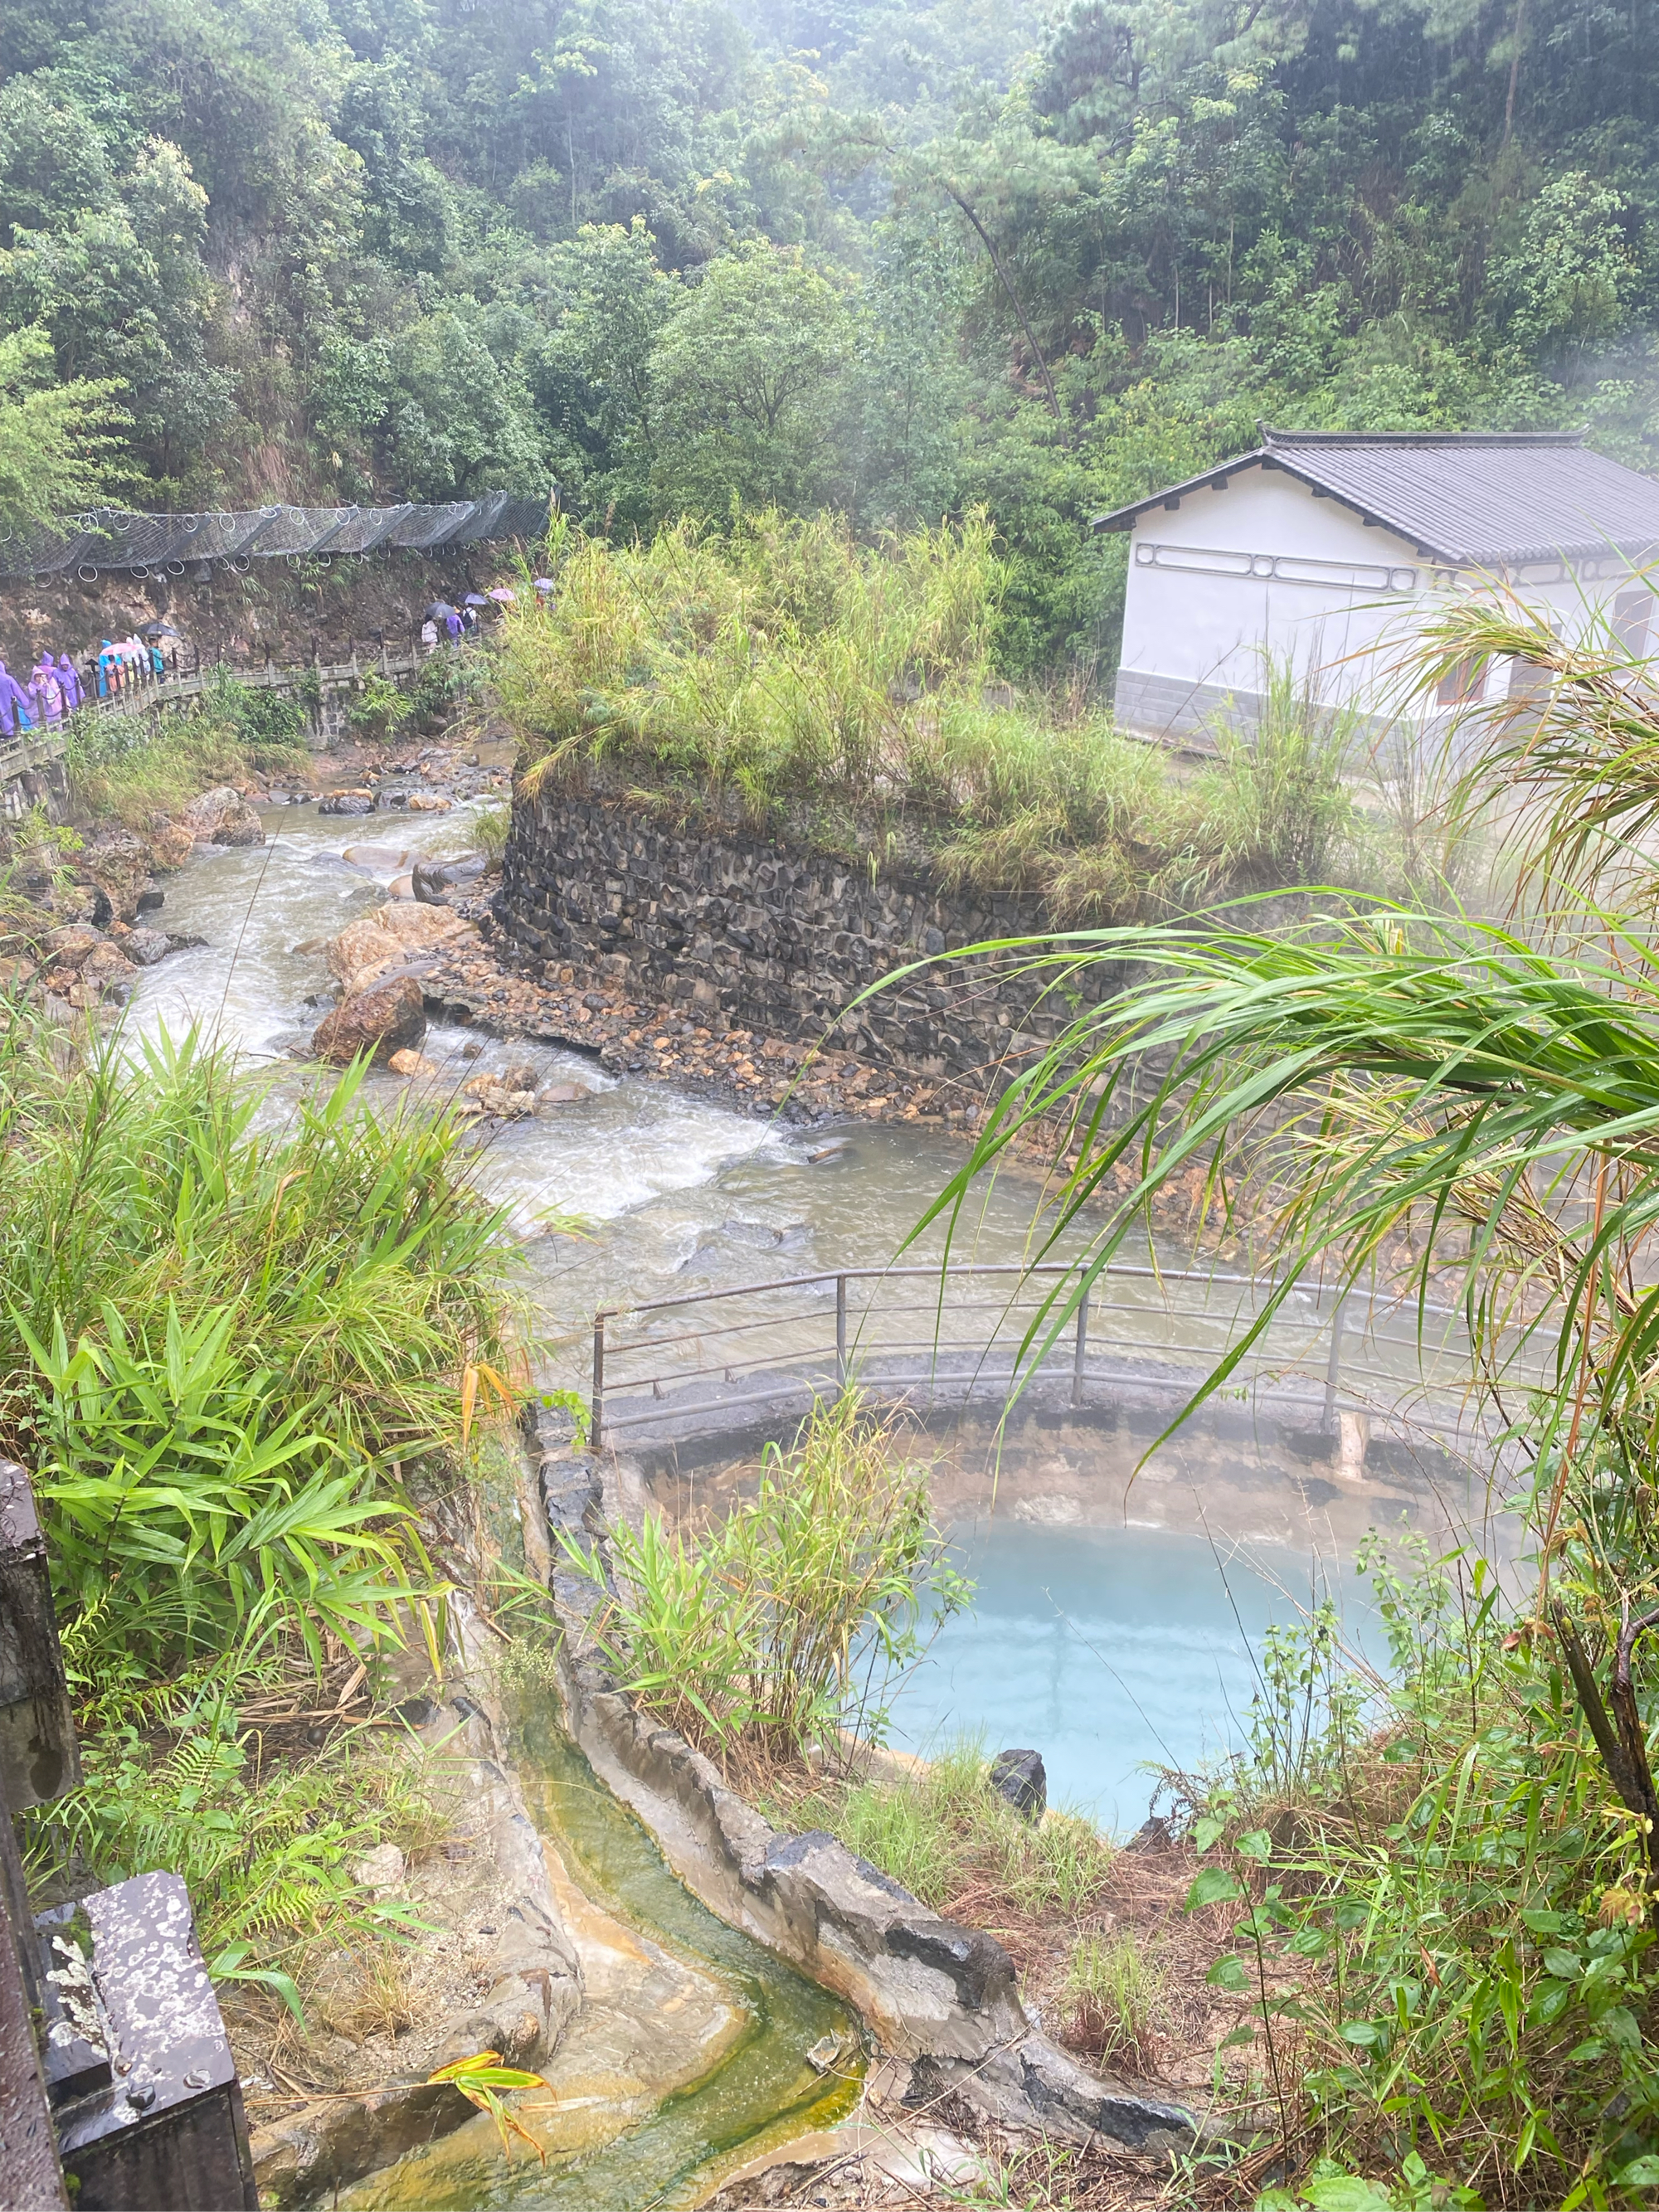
(111, 538)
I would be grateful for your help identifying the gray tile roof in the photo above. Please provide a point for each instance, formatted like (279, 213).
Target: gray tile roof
(1470, 499)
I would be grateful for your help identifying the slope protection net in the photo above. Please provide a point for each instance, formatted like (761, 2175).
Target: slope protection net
(112, 539)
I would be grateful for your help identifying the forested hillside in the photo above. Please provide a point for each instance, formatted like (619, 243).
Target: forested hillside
(680, 255)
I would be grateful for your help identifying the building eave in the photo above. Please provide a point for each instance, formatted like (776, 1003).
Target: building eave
(1298, 453)
(1215, 479)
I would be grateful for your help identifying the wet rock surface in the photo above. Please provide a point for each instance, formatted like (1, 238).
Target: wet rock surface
(223, 817)
(373, 945)
(385, 1017)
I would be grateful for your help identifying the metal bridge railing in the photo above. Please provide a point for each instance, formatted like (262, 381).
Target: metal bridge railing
(727, 1351)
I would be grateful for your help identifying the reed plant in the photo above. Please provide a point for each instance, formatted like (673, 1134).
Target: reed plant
(793, 1617)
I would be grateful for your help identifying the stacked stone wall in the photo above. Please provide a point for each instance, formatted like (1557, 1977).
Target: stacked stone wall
(744, 932)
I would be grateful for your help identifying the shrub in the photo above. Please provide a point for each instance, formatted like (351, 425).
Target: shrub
(127, 767)
(1444, 1924)
(378, 710)
(792, 1618)
(233, 1333)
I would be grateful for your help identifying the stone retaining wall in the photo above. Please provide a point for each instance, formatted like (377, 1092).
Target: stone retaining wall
(739, 931)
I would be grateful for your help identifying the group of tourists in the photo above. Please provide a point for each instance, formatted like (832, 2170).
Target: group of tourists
(56, 688)
(127, 661)
(451, 625)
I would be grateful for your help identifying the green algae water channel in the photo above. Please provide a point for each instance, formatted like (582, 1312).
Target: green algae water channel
(757, 2093)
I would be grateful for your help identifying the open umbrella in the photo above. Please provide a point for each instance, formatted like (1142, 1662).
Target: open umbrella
(544, 584)
(437, 610)
(475, 599)
(160, 629)
(502, 592)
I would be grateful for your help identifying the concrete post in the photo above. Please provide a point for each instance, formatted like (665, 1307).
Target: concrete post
(37, 1758)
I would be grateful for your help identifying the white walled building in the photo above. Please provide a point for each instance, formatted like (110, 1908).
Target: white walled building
(1316, 548)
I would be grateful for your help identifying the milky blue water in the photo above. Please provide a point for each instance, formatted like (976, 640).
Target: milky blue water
(1106, 1649)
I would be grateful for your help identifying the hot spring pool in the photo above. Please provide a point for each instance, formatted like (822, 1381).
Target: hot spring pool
(1104, 1648)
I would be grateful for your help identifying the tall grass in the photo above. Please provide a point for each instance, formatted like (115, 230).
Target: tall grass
(955, 1843)
(793, 1616)
(1114, 1985)
(1102, 825)
(783, 661)
(234, 1335)
(788, 671)
(129, 768)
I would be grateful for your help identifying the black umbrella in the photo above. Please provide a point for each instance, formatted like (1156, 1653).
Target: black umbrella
(437, 610)
(159, 630)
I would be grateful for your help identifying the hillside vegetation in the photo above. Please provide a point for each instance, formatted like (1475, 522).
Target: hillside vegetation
(897, 262)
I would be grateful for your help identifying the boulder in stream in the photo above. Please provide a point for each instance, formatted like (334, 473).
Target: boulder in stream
(147, 946)
(347, 802)
(375, 943)
(378, 859)
(491, 1095)
(388, 1017)
(430, 879)
(223, 817)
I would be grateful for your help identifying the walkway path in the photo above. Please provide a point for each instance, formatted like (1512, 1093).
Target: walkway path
(35, 748)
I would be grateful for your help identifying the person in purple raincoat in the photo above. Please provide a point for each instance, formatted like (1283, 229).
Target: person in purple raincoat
(453, 624)
(69, 684)
(48, 693)
(15, 712)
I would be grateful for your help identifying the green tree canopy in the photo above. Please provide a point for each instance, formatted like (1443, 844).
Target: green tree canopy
(57, 440)
(747, 384)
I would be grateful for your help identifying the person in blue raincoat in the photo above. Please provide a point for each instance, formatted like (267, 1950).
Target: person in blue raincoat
(15, 711)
